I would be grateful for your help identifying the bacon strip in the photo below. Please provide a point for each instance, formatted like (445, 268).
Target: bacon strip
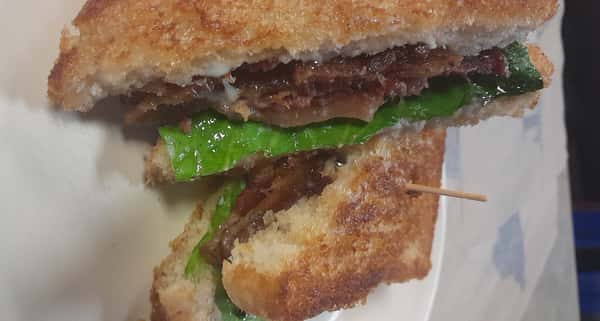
(272, 186)
(300, 93)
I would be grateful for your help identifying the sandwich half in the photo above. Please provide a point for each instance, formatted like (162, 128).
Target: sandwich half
(315, 116)
(324, 252)
(277, 77)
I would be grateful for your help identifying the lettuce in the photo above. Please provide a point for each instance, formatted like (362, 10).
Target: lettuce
(217, 144)
(523, 76)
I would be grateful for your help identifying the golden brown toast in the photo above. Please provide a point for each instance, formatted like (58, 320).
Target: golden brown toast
(114, 46)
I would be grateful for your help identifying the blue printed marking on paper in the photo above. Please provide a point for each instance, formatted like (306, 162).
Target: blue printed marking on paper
(532, 126)
(452, 156)
(509, 253)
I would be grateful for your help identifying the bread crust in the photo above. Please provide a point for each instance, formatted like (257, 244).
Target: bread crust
(175, 298)
(363, 230)
(157, 165)
(117, 45)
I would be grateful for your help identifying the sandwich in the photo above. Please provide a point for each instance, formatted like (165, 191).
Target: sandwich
(315, 117)
(323, 253)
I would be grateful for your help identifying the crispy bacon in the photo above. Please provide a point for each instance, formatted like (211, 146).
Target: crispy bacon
(272, 186)
(299, 93)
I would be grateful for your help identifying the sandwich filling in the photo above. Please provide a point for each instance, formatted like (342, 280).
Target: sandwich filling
(270, 187)
(299, 93)
(210, 143)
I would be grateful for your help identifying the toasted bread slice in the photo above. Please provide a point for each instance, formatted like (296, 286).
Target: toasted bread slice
(113, 47)
(326, 252)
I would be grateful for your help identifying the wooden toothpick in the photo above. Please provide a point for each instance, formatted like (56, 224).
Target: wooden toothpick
(446, 192)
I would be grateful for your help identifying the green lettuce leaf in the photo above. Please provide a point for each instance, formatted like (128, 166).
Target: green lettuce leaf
(196, 263)
(217, 144)
(523, 76)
